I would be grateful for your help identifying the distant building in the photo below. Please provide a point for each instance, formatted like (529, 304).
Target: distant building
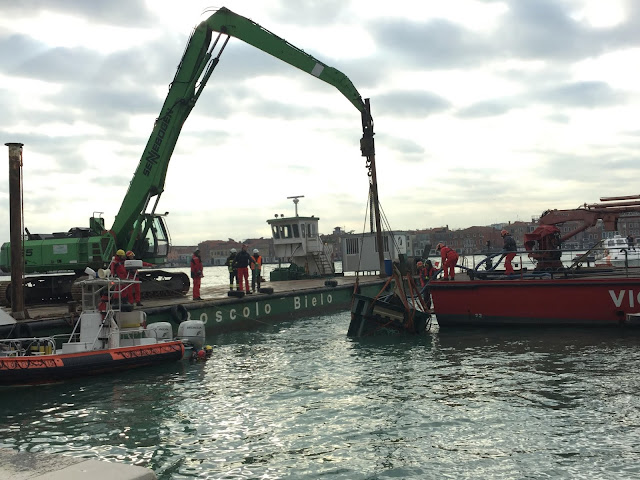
(418, 243)
(265, 246)
(180, 255)
(216, 252)
(335, 240)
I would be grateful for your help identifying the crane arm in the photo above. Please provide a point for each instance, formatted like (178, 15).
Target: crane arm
(586, 219)
(588, 216)
(232, 24)
(149, 177)
(194, 70)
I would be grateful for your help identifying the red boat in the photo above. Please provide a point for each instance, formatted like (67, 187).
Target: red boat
(552, 293)
(597, 300)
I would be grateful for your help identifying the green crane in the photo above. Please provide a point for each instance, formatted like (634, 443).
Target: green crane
(137, 225)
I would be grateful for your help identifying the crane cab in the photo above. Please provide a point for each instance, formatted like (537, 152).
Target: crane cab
(152, 243)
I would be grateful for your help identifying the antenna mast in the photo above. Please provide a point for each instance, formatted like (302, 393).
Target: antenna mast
(295, 201)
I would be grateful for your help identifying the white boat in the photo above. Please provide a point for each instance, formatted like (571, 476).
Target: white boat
(616, 252)
(109, 336)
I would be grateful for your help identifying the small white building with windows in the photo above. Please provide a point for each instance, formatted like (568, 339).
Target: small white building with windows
(360, 251)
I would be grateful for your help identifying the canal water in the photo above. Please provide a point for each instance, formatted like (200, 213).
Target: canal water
(300, 400)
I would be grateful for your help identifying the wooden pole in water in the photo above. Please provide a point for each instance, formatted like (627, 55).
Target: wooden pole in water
(15, 230)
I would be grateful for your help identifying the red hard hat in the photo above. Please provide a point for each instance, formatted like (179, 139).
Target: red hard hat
(130, 254)
(504, 232)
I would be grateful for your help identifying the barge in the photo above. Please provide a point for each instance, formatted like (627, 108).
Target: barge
(220, 313)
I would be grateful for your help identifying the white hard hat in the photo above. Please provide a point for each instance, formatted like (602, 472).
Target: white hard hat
(255, 250)
(233, 250)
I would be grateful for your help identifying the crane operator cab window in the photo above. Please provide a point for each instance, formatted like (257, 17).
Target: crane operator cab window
(156, 240)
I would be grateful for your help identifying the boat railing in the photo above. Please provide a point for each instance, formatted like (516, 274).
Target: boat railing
(22, 347)
(592, 253)
(593, 261)
(105, 296)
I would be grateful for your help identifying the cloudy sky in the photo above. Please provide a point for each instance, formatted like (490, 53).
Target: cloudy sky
(485, 111)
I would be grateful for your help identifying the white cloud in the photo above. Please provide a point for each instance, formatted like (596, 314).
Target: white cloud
(601, 14)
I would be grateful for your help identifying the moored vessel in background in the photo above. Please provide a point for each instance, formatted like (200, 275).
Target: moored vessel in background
(617, 251)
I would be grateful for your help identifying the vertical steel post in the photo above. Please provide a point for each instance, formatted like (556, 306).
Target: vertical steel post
(367, 147)
(15, 230)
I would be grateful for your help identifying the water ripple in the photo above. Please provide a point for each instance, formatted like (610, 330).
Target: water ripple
(301, 400)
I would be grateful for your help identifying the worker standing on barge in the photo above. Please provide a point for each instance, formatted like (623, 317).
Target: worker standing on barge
(132, 274)
(449, 259)
(196, 273)
(233, 269)
(256, 270)
(425, 272)
(116, 267)
(243, 260)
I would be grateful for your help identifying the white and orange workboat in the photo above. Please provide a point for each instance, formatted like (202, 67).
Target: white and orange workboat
(108, 337)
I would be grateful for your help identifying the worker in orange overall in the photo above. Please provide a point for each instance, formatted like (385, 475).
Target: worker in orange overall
(242, 262)
(256, 270)
(509, 248)
(449, 259)
(196, 273)
(429, 270)
(132, 274)
(116, 267)
(425, 272)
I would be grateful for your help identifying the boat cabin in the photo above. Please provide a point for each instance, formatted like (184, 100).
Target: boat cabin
(296, 240)
(617, 242)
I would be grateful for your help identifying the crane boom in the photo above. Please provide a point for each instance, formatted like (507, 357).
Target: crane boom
(545, 242)
(234, 25)
(137, 226)
(132, 222)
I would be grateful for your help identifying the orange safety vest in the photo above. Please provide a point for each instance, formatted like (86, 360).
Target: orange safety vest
(256, 261)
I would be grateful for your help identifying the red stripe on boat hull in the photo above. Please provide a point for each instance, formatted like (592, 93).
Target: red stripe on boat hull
(52, 368)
